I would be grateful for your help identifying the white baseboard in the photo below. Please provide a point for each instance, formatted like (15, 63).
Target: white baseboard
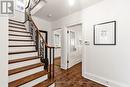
(104, 81)
(74, 62)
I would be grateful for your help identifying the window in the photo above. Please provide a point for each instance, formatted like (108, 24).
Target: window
(20, 6)
(57, 40)
(72, 41)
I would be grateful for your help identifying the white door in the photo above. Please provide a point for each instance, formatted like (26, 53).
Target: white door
(74, 45)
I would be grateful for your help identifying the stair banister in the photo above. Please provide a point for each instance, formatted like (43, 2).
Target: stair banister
(44, 43)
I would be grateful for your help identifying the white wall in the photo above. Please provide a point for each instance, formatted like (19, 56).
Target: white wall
(18, 16)
(108, 63)
(3, 51)
(44, 25)
(64, 48)
(58, 46)
(57, 52)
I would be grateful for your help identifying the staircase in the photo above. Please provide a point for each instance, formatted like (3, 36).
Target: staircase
(25, 67)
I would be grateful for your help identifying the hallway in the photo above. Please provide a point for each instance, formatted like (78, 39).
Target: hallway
(72, 77)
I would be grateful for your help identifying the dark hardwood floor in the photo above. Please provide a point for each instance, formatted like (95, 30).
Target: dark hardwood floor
(72, 77)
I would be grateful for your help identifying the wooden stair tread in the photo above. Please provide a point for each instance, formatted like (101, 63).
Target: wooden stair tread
(23, 59)
(17, 24)
(19, 31)
(27, 79)
(45, 83)
(20, 40)
(10, 53)
(22, 45)
(16, 21)
(17, 27)
(19, 35)
(25, 68)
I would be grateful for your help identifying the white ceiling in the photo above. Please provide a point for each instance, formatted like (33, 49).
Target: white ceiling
(61, 8)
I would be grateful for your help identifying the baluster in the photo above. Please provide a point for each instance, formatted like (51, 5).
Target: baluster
(53, 62)
(37, 41)
(50, 62)
(42, 48)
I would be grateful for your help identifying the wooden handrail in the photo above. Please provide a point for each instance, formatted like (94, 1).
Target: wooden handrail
(38, 34)
(46, 44)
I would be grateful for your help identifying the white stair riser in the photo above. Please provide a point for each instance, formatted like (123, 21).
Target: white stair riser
(25, 73)
(22, 64)
(16, 56)
(20, 43)
(18, 33)
(36, 81)
(19, 29)
(16, 25)
(19, 49)
(16, 22)
(20, 38)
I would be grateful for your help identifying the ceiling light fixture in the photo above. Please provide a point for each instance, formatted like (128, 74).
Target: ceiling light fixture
(71, 2)
(49, 15)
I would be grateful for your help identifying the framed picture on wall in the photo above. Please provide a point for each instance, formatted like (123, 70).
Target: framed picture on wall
(105, 33)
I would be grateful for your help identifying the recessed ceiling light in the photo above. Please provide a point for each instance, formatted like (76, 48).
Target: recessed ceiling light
(49, 15)
(71, 2)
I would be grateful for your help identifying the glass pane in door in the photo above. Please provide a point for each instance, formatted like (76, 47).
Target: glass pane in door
(72, 41)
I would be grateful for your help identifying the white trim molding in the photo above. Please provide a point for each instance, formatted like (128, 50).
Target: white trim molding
(104, 81)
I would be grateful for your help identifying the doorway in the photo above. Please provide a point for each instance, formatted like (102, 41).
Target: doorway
(74, 45)
(57, 43)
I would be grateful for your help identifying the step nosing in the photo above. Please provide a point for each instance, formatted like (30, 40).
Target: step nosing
(17, 24)
(25, 68)
(23, 59)
(27, 79)
(20, 40)
(17, 27)
(45, 83)
(15, 21)
(22, 45)
(18, 31)
(22, 52)
(19, 35)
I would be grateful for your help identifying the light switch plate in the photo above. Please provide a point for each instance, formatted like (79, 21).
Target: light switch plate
(87, 43)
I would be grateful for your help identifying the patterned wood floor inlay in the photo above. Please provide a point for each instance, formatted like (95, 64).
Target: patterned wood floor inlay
(72, 77)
